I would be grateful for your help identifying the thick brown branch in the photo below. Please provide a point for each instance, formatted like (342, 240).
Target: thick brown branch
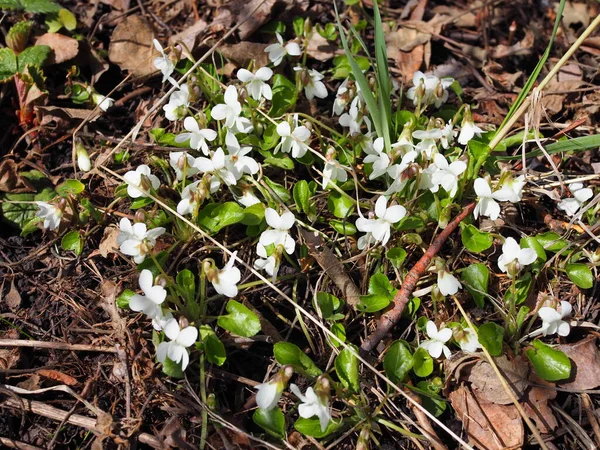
(392, 317)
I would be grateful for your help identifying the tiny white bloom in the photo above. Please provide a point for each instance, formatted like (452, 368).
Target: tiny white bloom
(467, 339)
(154, 296)
(231, 111)
(135, 240)
(436, 344)
(351, 119)
(140, 178)
(190, 198)
(280, 234)
(396, 172)
(512, 253)
(333, 170)
(486, 204)
(179, 101)
(225, 280)
(380, 229)
(580, 195)
(267, 263)
(468, 130)
(552, 320)
(164, 64)
(312, 405)
(376, 156)
(277, 51)
(180, 340)
(268, 395)
(433, 90)
(248, 198)
(83, 158)
(448, 134)
(511, 189)
(428, 141)
(446, 174)
(314, 87)
(104, 103)
(292, 141)
(195, 135)
(342, 98)
(160, 319)
(218, 168)
(237, 160)
(256, 82)
(51, 215)
(180, 162)
(447, 283)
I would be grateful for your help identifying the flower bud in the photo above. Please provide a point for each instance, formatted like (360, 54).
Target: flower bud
(83, 159)
(140, 216)
(18, 35)
(183, 322)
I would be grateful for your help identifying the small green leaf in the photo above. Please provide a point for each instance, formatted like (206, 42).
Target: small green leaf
(187, 282)
(312, 427)
(523, 285)
(491, 336)
(216, 216)
(551, 241)
(281, 191)
(581, 275)
(410, 223)
(346, 367)
(431, 401)
(532, 243)
(373, 302)
(141, 202)
(284, 96)
(476, 278)
(8, 64)
(63, 18)
(396, 256)
(123, 299)
(422, 363)
(478, 154)
(40, 6)
(240, 320)
(549, 364)
(379, 284)
(342, 227)
(11, 5)
(167, 139)
(72, 241)
(172, 369)
(70, 187)
(301, 194)
(212, 346)
(254, 215)
(272, 421)
(33, 56)
(339, 205)
(474, 240)
(18, 214)
(339, 331)
(280, 160)
(288, 353)
(328, 303)
(398, 361)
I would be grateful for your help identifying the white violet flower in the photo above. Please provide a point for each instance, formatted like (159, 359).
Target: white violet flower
(217, 167)
(231, 111)
(580, 195)
(277, 51)
(292, 141)
(429, 89)
(226, 279)
(447, 283)
(436, 344)
(182, 162)
(269, 264)
(195, 135)
(269, 393)
(486, 203)
(135, 240)
(104, 103)
(468, 130)
(83, 158)
(140, 178)
(256, 82)
(511, 189)
(379, 229)
(313, 405)
(154, 296)
(467, 339)
(51, 215)
(179, 101)
(237, 160)
(427, 145)
(376, 156)
(164, 64)
(280, 234)
(446, 174)
(552, 320)
(514, 257)
(180, 340)
(190, 199)
(313, 86)
(333, 170)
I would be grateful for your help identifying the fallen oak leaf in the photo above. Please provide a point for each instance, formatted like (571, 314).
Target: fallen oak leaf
(585, 360)
(63, 47)
(131, 46)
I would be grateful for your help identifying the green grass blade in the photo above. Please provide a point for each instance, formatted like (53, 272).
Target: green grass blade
(383, 76)
(576, 144)
(538, 68)
(361, 80)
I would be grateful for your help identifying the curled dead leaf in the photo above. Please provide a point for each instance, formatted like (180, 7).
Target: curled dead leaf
(585, 359)
(108, 243)
(486, 384)
(242, 53)
(320, 48)
(13, 298)
(188, 38)
(131, 46)
(63, 47)
(58, 376)
(10, 179)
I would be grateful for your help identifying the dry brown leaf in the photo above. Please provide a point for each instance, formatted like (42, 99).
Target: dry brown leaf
(487, 386)
(521, 48)
(536, 406)
(11, 181)
(237, 11)
(9, 357)
(131, 46)
(568, 79)
(243, 53)
(585, 359)
(489, 426)
(575, 13)
(64, 116)
(108, 243)
(495, 72)
(63, 47)
(32, 383)
(320, 48)
(460, 17)
(188, 38)
(591, 45)
(13, 298)
(58, 376)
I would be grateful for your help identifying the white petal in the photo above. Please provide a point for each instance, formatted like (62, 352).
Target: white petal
(146, 280)
(431, 329)
(187, 337)
(245, 75)
(171, 329)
